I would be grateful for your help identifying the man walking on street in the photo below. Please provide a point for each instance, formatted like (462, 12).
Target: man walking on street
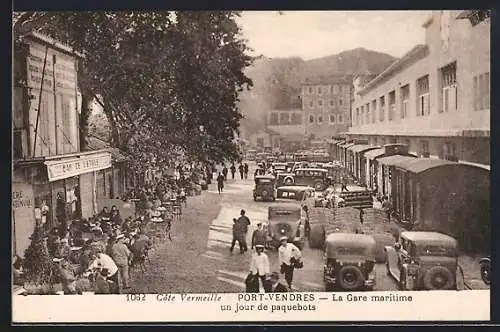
(220, 183)
(288, 254)
(259, 236)
(259, 266)
(233, 171)
(237, 236)
(244, 223)
(246, 170)
(344, 184)
(242, 171)
(224, 172)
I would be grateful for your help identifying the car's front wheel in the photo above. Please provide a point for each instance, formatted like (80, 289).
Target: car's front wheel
(319, 186)
(438, 278)
(485, 273)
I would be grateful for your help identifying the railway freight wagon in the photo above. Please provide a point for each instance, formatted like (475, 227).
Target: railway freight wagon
(448, 197)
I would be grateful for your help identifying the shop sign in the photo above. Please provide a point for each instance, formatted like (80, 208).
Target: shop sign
(22, 197)
(62, 169)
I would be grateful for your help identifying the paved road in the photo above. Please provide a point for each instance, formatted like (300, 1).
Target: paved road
(237, 195)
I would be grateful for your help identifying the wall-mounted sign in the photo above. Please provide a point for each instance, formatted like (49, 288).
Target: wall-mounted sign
(61, 169)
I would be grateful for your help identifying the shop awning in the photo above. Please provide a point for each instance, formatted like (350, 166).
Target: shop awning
(68, 167)
(395, 160)
(373, 154)
(363, 147)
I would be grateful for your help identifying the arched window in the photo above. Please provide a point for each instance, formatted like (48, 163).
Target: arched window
(311, 119)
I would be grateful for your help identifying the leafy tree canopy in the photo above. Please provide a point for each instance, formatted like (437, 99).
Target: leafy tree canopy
(161, 76)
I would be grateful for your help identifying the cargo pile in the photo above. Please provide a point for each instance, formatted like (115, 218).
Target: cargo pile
(376, 224)
(344, 220)
(357, 199)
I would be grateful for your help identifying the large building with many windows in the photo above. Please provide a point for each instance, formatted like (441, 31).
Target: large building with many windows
(326, 101)
(436, 98)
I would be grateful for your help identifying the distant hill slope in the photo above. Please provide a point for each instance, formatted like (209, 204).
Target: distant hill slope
(277, 81)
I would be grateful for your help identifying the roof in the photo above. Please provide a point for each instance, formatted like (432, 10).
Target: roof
(312, 169)
(414, 54)
(53, 42)
(287, 205)
(329, 79)
(374, 153)
(350, 238)
(428, 237)
(298, 188)
(362, 147)
(346, 145)
(395, 160)
(420, 165)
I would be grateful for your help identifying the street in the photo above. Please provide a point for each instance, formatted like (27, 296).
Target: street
(198, 259)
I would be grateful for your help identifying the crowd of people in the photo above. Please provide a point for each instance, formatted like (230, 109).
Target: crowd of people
(223, 174)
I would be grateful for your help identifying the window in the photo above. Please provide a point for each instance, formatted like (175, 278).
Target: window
(340, 119)
(320, 102)
(367, 113)
(335, 88)
(449, 87)
(341, 102)
(274, 119)
(320, 119)
(310, 90)
(332, 118)
(284, 118)
(356, 119)
(392, 104)
(311, 104)
(345, 89)
(423, 106)
(424, 149)
(319, 90)
(405, 99)
(382, 108)
(362, 117)
(482, 92)
(374, 110)
(332, 103)
(311, 119)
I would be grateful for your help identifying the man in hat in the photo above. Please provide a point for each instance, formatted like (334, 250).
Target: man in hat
(287, 253)
(102, 261)
(237, 236)
(259, 236)
(66, 275)
(275, 285)
(244, 223)
(122, 257)
(259, 265)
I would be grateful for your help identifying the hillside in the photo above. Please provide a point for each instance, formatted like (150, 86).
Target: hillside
(277, 81)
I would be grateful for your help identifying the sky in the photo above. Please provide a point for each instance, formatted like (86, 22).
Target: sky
(314, 34)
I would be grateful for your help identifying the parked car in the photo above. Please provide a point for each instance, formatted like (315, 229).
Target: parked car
(349, 262)
(314, 177)
(265, 188)
(284, 219)
(298, 193)
(485, 269)
(423, 261)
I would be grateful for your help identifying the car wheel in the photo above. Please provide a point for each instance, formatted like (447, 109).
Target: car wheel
(316, 237)
(319, 186)
(485, 273)
(438, 278)
(350, 278)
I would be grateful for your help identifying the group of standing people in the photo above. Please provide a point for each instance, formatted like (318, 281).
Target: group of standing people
(222, 177)
(289, 257)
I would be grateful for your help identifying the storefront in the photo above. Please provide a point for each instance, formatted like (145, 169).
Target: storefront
(53, 191)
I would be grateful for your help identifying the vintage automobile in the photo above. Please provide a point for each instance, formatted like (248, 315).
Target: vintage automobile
(314, 177)
(284, 219)
(485, 269)
(349, 262)
(298, 193)
(265, 188)
(423, 261)
(279, 167)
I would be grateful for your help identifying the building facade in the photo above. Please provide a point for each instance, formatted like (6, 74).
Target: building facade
(288, 124)
(326, 104)
(53, 182)
(436, 98)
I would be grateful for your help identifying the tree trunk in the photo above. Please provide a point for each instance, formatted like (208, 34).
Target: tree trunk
(84, 121)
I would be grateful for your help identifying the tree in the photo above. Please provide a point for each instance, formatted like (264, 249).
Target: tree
(161, 75)
(37, 265)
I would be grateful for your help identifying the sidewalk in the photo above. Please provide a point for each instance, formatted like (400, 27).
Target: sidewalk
(177, 265)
